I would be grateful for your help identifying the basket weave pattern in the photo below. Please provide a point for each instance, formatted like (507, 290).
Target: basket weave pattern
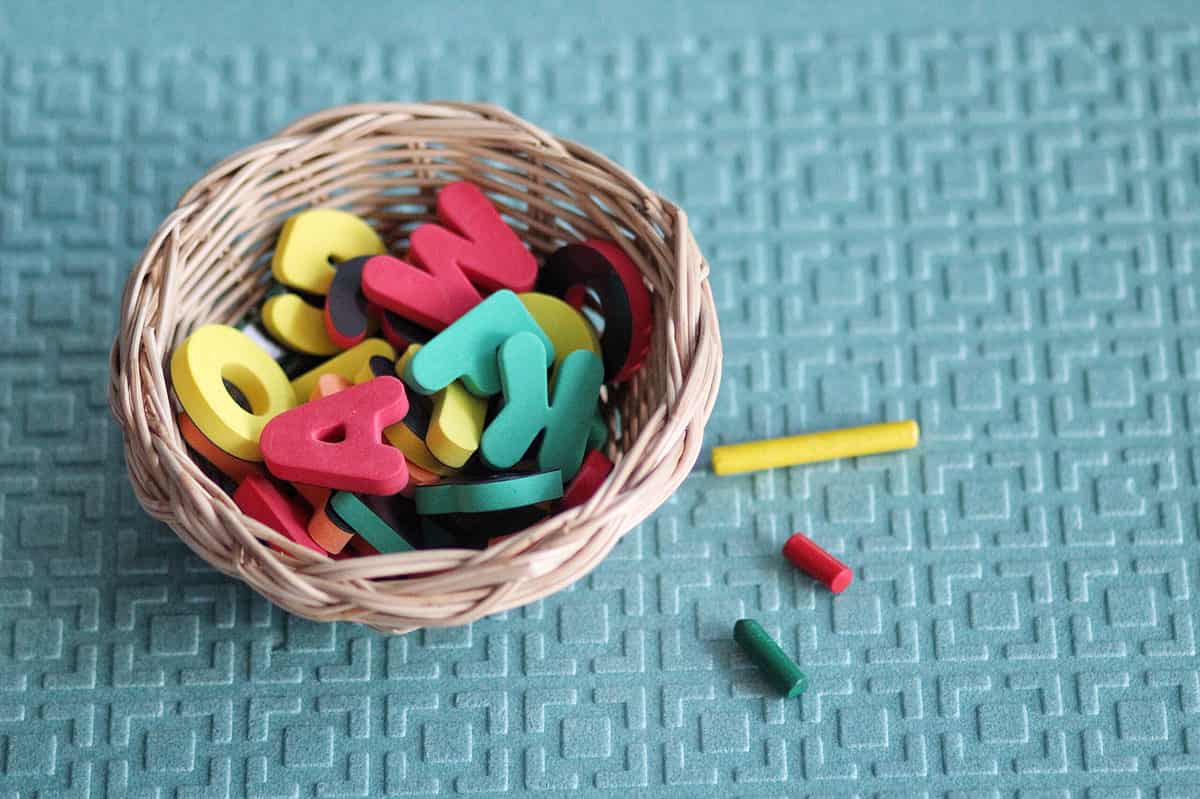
(209, 262)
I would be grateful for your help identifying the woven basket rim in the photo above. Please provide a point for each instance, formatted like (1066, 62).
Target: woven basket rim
(205, 263)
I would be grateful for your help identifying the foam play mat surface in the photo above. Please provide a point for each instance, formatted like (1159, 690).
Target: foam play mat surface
(989, 228)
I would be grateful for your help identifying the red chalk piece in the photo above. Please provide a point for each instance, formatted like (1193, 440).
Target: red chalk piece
(596, 467)
(818, 564)
(259, 499)
(473, 247)
(337, 441)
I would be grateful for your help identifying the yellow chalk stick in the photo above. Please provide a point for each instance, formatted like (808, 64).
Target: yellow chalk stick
(346, 364)
(297, 325)
(310, 239)
(456, 422)
(199, 367)
(813, 447)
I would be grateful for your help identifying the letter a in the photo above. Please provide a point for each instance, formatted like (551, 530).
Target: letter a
(337, 441)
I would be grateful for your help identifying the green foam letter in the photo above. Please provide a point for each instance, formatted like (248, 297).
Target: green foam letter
(466, 350)
(567, 421)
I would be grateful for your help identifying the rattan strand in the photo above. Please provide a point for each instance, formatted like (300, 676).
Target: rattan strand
(209, 262)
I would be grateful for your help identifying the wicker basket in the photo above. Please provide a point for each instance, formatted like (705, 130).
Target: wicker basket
(209, 262)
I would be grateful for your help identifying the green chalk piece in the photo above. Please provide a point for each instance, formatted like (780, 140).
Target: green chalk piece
(760, 647)
(598, 432)
(499, 493)
(466, 350)
(567, 421)
(367, 523)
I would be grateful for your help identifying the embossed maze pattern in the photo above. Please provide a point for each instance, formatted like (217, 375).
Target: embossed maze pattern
(993, 232)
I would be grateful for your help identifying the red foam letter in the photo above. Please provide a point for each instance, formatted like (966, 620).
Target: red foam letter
(259, 499)
(591, 475)
(432, 299)
(337, 441)
(474, 246)
(486, 249)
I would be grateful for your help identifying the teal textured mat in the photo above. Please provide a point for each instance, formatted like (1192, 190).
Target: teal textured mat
(988, 225)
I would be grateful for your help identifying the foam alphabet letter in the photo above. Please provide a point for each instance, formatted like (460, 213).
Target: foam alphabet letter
(456, 421)
(337, 441)
(380, 520)
(604, 267)
(311, 239)
(347, 313)
(317, 496)
(297, 325)
(466, 350)
(328, 384)
(567, 421)
(490, 253)
(472, 249)
(498, 492)
(400, 332)
(407, 435)
(325, 530)
(259, 499)
(595, 469)
(235, 469)
(431, 299)
(346, 364)
(200, 366)
(567, 328)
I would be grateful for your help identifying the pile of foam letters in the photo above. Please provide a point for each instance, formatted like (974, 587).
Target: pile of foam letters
(448, 398)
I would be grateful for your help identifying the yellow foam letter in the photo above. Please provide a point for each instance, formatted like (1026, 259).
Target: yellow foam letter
(199, 367)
